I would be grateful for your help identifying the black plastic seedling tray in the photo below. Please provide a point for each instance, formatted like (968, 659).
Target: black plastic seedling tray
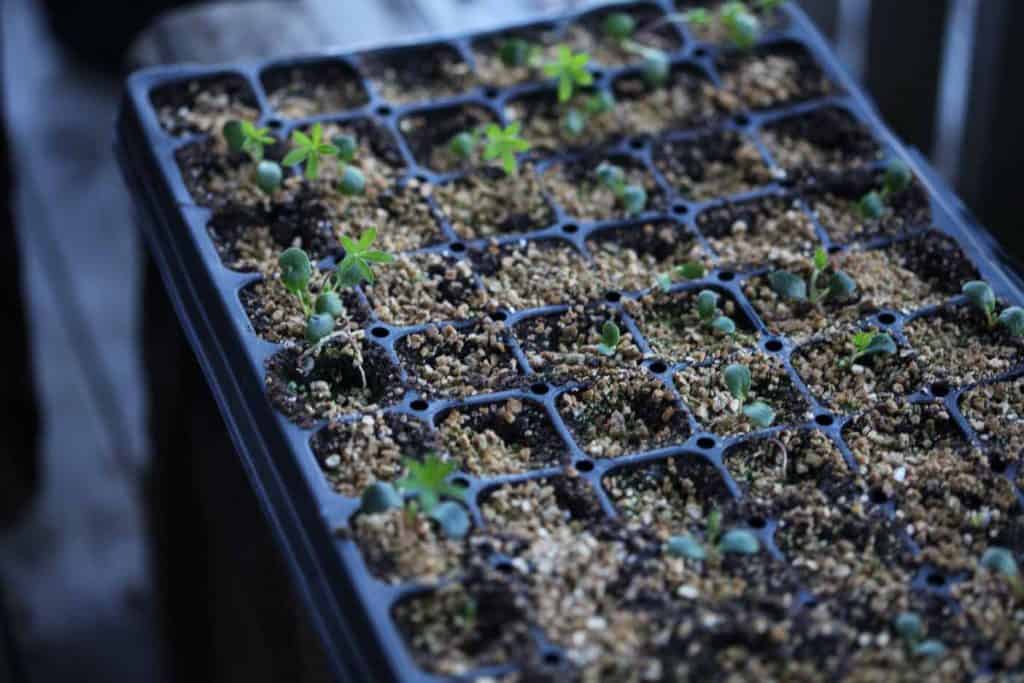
(351, 610)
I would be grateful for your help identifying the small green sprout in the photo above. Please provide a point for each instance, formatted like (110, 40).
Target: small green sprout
(356, 266)
(516, 52)
(741, 25)
(710, 315)
(867, 343)
(504, 143)
(981, 296)
(318, 326)
(910, 628)
(739, 542)
(686, 271)
(296, 273)
(599, 103)
(619, 25)
(268, 176)
(244, 136)
(1001, 561)
(330, 302)
(428, 482)
(380, 497)
(574, 122)
(698, 16)
(347, 147)
(309, 149)
(463, 145)
(768, 6)
(610, 337)
(632, 197)
(352, 181)
(789, 286)
(737, 380)
(732, 542)
(571, 71)
(897, 179)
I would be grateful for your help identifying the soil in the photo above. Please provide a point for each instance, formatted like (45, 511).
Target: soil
(956, 346)
(429, 132)
(768, 231)
(652, 31)
(492, 71)
(204, 105)
(445, 361)
(277, 316)
(313, 89)
(766, 467)
(623, 411)
(824, 139)
(686, 100)
(715, 32)
(422, 288)
(423, 73)
(705, 393)
(996, 413)
(542, 273)
(489, 202)
(872, 379)
(541, 117)
(575, 186)
(674, 330)
(711, 165)
(629, 258)
(768, 77)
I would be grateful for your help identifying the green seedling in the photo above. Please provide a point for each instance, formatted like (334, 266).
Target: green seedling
(910, 628)
(347, 147)
(610, 337)
(309, 150)
(319, 326)
(619, 25)
(504, 143)
(737, 380)
(352, 181)
(837, 286)
(574, 122)
(296, 274)
(632, 197)
(570, 70)
(356, 266)
(867, 343)
(428, 483)
(686, 271)
(244, 136)
(699, 17)
(517, 52)
(710, 315)
(1001, 561)
(268, 176)
(463, 145)
(897, 179)
(732, 542)
(741, 25)
(769, 6)
(981, 296)
(380, 497)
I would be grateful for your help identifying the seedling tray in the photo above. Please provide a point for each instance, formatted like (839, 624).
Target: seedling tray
(357, 592)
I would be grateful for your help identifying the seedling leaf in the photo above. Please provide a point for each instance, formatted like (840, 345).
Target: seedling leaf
(760, 413)
(1000, 560)
(707, 305)
(737, 379)
(296, 270)
(686, 547)
(787, 285)
(724, 324)
(505, 143)
(453, 519)
(1012, 319)
(739, 542)
(982, 298)
(428, 481)
(610, 337)
(571, 70)
(380, 497)
(820, 259)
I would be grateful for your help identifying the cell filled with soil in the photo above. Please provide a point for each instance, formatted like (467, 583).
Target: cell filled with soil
(711, 165)
(313, 88)
(824, 367)
(204, 105)
(402, 546)
(423, 288)
(632, 257)
(488, 202)
(343, 376)
(587, 34)
(771, 76)
(995, 412)
(764, 466)
(429, 133)
(574, 184)
(490, 69)
(704, 391)
(674, 328)
(564, 346)
(539, 273)
(767, 231)
(424, 72)
(716, 31)
(542, 119)
(686, 100)
(445, 361)
(829, 139)
(277, 315)
(369, 448)
(623, 411)
(505, 437)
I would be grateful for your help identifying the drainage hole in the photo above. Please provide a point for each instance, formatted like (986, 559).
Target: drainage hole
(613, 297)
(706, 442)
(585, 466)
(878, 497)
(773, 345)
(887, 318)
(539, 388)
(419, 404)
(552, 658)
(457, 247)
(499, 316)
(936, 579)
(726, 276)
(571, 228)
(940, 389)
(383, 111)
(461, 482)
(824, 420)
(658, 367)
(757, 522)
(380, 332)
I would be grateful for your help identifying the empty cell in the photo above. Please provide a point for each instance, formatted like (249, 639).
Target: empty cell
(205, 104)
(418, 73)
(445, 361)
(711, 165)
(313, 88)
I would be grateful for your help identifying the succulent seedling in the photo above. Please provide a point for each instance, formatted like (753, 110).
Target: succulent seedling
(356, 266)
(632, 197)
(296, 273)
(910, 628)
(837, 286)
(710, 315)
(504, 143)
(575, 119)
(734, 541)
(428, 483)
(268, 175)
(737, 379)
(897, 179)
(619, 25)
(685, 271)
(981, 296)
(1001, 561)
(610, 337)
(570, 69)
(867, 343)
(741, 25)
(244, 136)
(463, 145)
(310, 150)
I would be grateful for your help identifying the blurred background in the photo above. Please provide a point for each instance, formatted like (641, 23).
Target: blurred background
(111, 442)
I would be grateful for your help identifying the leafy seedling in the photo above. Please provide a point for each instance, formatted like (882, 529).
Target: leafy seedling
(686, 271)
(1001, 561)
(610, 337)
(837, 286)
(570, 70)
(742, 26)
(619, 26)
(504, 143)
(296, 273)
(732, 542)
(244, 136)
(310, 150)
(737, 380)
(427, 481)
(710, 315)
(356, 266)
(897, 179)
(867, 343)
(517, 52)
(983, 299)
(632, 197)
